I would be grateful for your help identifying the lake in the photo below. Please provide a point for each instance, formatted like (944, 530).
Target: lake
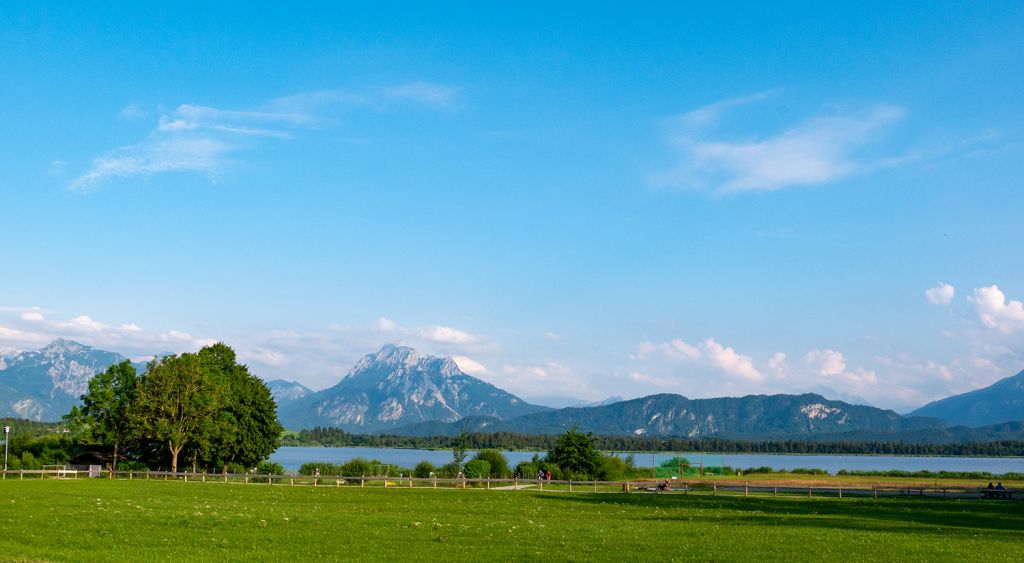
(292, 457)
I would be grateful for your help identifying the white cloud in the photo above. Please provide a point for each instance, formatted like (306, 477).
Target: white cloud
(707, 115)
(29, 331)
(819, 150)
(730, 362)
(995, 311)
(674, 349)
(32, 315)
(133, 111)
(552, 335)
(826, 362)
(262, 356)
(470, 366)
(445, 335)
(423, 93)
(777, 364)
(709, 352)
(154, 156)
(197, 138)
(941, 294)
(385, 325)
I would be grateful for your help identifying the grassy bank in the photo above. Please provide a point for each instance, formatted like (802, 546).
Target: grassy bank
(140, 520)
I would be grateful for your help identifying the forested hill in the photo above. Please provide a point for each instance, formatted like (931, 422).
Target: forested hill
(1003, 401)
(677, 416)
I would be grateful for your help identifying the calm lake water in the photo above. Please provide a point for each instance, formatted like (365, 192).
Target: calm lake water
(292, 457)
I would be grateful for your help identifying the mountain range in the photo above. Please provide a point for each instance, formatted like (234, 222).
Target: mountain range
(44, 384)
(395, 387)
(1002, 401)
(396, 390)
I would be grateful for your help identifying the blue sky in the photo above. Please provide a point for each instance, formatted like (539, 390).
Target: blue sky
(582, 201)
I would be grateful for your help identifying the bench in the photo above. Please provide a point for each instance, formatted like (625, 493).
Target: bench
(1000, 494)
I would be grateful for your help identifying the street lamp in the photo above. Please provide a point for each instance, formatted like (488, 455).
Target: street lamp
(7, 432)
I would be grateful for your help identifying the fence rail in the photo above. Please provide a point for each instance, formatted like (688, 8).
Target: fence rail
(686, 487)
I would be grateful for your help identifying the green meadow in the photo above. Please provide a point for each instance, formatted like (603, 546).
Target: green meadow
(101, 520)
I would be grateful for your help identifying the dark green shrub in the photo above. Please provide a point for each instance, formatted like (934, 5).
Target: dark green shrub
(325, 468)
(496, 460)
(357, 467)
(270, 468)
(131, 465)
(423, 469)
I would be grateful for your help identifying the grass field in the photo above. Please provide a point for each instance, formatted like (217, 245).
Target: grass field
(94, 520)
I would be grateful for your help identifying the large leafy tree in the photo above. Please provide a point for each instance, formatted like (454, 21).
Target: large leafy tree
(178, 396)
(575, 453)
(246, 430)
(106, 405)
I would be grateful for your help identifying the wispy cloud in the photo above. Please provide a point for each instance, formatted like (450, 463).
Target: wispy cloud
(199, 138)
(819, 150)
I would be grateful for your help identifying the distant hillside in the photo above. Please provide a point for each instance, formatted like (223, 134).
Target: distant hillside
(394, 387)
(285, 392)
(675, 415)
(42, 385)
(1003, 401)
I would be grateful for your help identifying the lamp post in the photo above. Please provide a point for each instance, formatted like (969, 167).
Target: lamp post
(7, 432)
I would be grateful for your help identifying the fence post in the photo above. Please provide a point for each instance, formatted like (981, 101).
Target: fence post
(130, 475)
(435, 482)
(410, 481)
(874, 491)
(595, 486)
(204, 477)
(686, 488)
(840, 492)
(808, 492)
(570, 485)
(362, 481)
(714, 489)
(225, 477)
(775, 491)
(746, 489)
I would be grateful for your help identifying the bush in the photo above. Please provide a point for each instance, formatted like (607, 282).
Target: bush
(270, 468)
(676, 462)
(448, 470)
(131, 465)
(28, 461)
(809, 471)
(423, 469)
(357, 467)
(612, 468)
(496, 461)
(478, 469)
(309, 468)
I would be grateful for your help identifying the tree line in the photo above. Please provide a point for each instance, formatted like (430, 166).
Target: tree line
(329, 436)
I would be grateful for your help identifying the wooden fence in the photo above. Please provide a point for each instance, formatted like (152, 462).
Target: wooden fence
(699, 487)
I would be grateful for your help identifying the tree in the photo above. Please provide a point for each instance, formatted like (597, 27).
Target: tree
(177, 396)
(496, 461)
(459, 450)
(246, 429)
(106, 405)
(575, 453)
